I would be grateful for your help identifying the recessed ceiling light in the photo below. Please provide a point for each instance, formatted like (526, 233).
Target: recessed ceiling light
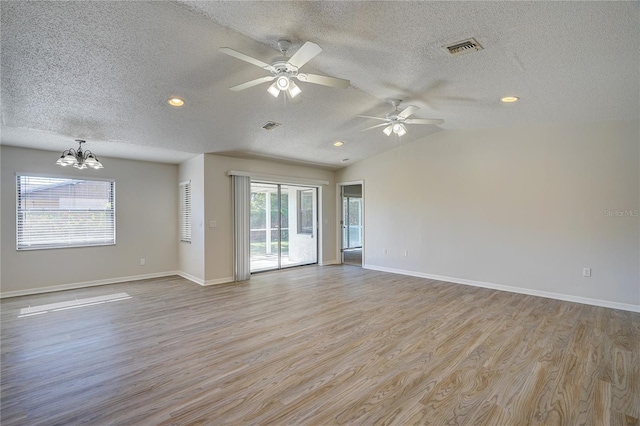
(176, 102)
(509, 99)
(338, 143)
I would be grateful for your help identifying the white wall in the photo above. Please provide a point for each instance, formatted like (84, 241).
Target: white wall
(522, 207)
(146, 226)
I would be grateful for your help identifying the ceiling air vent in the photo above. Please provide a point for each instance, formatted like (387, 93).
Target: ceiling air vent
(461, 47)
(270, 125)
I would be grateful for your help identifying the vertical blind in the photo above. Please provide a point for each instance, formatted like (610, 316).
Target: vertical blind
(185, 211)
(242, 227)
(60, 212)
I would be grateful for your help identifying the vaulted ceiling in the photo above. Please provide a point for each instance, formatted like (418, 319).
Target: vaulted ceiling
(103, 71)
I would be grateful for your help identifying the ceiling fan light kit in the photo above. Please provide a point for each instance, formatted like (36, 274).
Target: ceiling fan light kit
(284, 70)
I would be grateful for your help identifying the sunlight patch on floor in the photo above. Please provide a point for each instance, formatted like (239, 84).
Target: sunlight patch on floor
(71, 304)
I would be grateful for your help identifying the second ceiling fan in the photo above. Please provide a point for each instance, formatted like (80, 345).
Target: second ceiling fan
(395, 120)
(284, 70)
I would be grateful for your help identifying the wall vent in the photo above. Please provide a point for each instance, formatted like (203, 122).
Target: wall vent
(461, 47)
(270, 125)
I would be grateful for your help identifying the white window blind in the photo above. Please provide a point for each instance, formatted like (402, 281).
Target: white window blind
(185, 212)
(61, 212)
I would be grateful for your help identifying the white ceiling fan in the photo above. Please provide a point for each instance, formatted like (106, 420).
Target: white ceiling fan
(395, 120)
(284, 70)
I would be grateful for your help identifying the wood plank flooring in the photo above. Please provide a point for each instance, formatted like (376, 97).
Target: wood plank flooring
(318, 346)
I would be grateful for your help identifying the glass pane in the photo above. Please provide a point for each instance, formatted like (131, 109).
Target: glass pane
(264, 227)
(58, 212)
(355, 222)
(299, 232)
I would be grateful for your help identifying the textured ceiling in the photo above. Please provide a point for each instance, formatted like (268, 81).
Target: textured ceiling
(103, 71)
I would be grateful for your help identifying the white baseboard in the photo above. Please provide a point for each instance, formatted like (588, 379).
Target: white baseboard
(202, 282)
(190, 277)
(72, 286)
(530, 292)
(328, 262)
(217, 281)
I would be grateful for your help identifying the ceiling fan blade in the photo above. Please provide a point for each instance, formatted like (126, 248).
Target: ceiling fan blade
(246, 58)
(252, 83)
(373, 127)
(324, 80)
(307, 52)
(423, 121)
(373, 118)
(408, 111)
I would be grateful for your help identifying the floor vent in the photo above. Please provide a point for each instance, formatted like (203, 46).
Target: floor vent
(270, 125)
(461, 47)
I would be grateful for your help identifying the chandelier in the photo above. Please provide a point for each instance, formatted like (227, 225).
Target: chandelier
(79, 159)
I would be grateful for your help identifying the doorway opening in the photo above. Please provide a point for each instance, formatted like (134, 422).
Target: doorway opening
(351, 221)
(283, 226)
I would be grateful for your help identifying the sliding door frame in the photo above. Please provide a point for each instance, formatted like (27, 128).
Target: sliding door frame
(284, 180)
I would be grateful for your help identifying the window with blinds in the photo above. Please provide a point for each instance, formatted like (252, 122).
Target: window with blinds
(185, 212)
(58, 212)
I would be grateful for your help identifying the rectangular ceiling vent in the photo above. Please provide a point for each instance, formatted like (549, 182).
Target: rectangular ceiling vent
(461, 47)
(270, 125)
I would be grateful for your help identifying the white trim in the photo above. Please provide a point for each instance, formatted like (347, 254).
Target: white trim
(267, 178)
(531, 292)
(329, 262)
(190, 277)
(217, 281)
(84, 284)
(202, 282)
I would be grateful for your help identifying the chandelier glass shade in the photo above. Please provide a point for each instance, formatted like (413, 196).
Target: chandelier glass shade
(79, 159)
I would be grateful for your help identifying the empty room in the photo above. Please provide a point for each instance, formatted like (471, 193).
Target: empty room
(319, 213)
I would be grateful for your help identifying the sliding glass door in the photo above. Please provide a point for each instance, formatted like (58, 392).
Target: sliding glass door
(283, 226)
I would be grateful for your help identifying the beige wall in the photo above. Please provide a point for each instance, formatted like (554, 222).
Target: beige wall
(523, 207)
(146, 225)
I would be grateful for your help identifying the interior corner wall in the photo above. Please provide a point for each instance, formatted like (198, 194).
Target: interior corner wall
(526, 208)
(218, 207)
(146, 226)
(191, 255)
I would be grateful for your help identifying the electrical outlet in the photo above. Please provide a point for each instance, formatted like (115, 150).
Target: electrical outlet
(406, 253)
(384, 251)
(213, 224)
(586, 272)
(142, 261)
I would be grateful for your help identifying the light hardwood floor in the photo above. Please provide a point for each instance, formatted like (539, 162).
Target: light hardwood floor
(322, 346)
